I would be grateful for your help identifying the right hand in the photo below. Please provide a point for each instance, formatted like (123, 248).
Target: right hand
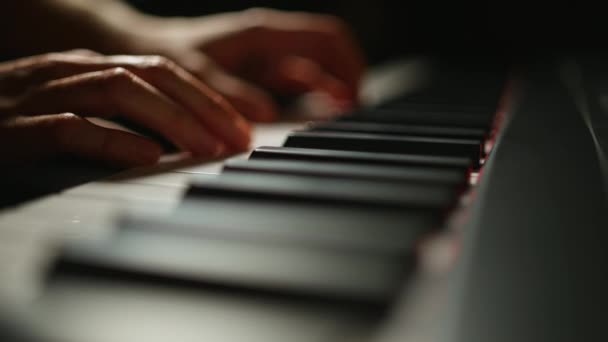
(148, 90)
(247, 56)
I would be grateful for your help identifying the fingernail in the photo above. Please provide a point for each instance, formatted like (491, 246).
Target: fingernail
(244, 130)
(244, 127)
(219, 150)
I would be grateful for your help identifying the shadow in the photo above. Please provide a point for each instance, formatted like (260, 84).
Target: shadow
(27, 182)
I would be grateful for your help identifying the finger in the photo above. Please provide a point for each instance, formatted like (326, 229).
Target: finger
(27, 72)
(209, 106)
(46, 136)
(119, 92)
(253, 102)
(296, 75)
(83, 52)
(324, 39)
(206, 105)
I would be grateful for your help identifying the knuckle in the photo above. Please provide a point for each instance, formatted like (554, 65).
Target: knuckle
(156, 62)
(53, 57)
(63, 128)
(66, 121)
(118, 77)
(51, 65)
(258, 19)
(119, 73)
(117, 82)
(159, 61)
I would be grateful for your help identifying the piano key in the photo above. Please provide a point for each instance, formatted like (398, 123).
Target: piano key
(239, 263)
(316, 225)
(385, 144)
(344, 170)
(446, 108)
(461, 95)
(396, 129)
(336, 156)
(423, 103)
(302, 189)
(398, 116)
(262, 246)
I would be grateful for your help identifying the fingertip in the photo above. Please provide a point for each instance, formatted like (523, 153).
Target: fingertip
(300, 75)
(243, 142)
(338, 90)
(241, 132)
(139, 152)
(151, 153)
(219, 150)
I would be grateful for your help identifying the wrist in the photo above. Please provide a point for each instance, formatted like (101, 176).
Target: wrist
(122, 31)
(107, 26)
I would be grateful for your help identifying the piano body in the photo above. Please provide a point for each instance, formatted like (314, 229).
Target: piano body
(474, 210)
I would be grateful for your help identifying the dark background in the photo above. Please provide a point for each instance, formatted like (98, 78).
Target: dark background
(388, 29)
(384, 28)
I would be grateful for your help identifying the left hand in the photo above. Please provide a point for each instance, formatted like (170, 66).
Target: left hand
(248, 55)
(45, 99)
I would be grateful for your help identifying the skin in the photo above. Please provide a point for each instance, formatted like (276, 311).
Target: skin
(149, 90)
(196, 81)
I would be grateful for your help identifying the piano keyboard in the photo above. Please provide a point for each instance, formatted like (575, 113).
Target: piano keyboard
(335, 213)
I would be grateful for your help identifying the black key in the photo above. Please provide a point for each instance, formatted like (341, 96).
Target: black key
(399, 130)
(435, 105)
(396, 116)
(240, 261)
(406, 174)
(457, 96)
(385, 144)
(286, 153)
(311, 250)
(302, 189)
(282, 223)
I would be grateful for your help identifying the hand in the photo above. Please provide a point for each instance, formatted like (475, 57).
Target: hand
(247, 55)
(148, 90)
